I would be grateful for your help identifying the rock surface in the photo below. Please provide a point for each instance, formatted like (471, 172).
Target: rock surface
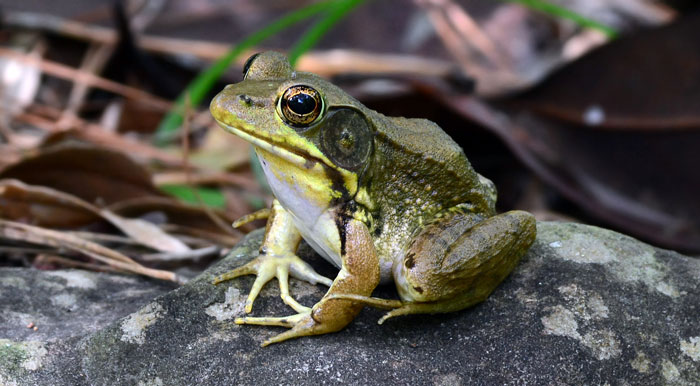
(585, 306)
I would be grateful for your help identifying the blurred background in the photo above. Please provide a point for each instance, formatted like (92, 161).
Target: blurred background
(585, 111)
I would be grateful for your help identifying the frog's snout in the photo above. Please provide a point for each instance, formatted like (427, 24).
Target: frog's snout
(215, 104)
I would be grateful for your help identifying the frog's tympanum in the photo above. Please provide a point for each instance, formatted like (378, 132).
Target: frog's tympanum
(381, 198)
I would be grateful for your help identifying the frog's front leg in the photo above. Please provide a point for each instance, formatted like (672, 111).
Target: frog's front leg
(358, 276)
(277, 259)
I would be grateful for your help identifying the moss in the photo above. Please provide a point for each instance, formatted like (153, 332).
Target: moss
(11, 356)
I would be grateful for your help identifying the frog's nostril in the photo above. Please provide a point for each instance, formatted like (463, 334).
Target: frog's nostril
(245, 99)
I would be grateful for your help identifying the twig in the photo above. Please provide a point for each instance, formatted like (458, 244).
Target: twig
(185, 158)
(26, 250)
(71, 74)
(194, 254)
(62, 261)
(99, 135)
(36, 235)
(325, 63)
(93, 62)
(103, 237)
(217, 238)
(459, 30)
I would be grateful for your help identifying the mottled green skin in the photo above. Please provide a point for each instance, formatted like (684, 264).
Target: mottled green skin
(423, 175)
(413, 210)
(409, 155)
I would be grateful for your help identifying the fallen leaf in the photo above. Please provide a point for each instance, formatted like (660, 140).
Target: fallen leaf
(36, 235)
(43, 205)
(94, 174)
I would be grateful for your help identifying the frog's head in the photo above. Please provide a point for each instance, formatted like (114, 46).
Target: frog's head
(314, 138)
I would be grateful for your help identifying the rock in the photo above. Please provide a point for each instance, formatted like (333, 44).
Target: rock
(585, 306)
(45, 316)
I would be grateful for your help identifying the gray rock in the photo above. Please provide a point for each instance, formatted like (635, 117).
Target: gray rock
(65, 307)
(585, 306)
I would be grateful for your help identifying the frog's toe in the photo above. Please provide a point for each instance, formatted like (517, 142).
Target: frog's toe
(303, 271)
(247, 269)
(409, 308)
(266, 267)
(301, 324)
(392, 314)
(285, 321)
(263, 277)
(283, 277)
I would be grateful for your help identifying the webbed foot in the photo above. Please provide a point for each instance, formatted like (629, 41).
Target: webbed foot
(358, 276)
(267, 267)
(301, 324)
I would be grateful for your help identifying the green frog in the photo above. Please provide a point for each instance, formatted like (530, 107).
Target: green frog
(382, 198)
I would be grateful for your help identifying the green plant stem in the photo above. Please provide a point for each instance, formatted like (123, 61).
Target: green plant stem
(562, 12)
(334, 14)
(199, 87)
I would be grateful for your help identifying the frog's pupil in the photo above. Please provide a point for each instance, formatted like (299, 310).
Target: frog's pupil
(302, 104)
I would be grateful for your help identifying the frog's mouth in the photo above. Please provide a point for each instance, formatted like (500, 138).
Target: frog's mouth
(278, 148)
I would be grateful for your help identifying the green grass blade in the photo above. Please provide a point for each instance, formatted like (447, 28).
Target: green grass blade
(199, 87)
(211, 197)
(564, 13)
(335, 13)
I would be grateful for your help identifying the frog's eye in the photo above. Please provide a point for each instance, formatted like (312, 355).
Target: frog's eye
(301, 105)
(346, 138)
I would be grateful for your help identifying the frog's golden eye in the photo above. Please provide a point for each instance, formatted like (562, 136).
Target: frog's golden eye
(301, 105)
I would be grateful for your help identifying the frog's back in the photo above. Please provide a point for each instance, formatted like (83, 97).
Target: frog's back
(427, 140)
(421, 162)
(433, 155)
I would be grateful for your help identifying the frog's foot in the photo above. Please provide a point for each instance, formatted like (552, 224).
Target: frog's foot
(301, 324)
(397, 307)
(384, 304)
(409, 308)
(267, 267)
(400, 308)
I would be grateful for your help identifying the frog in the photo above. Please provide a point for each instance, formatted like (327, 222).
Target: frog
(384, 199)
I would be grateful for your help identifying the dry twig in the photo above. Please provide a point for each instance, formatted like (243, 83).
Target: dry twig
(22, 232)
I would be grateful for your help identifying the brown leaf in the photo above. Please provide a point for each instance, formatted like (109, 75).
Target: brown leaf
(43, 205)
(616, 132)
(174, 212)
(40, 206)
(96, 175)
(146, 233)
(36, 235)
(221, 151)
(647, 81)
(621, 128)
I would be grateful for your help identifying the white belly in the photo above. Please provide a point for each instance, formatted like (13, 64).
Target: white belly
(323, 237)
(315, 223)
(291, 194)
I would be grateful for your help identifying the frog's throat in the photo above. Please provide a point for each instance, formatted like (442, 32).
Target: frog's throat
(278, 148)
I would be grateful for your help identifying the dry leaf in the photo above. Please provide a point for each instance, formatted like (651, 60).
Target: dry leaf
(36, 235)
(96, 175)
(39, 204)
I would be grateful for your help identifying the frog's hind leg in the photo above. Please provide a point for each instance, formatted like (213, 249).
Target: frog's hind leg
(457, 262)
